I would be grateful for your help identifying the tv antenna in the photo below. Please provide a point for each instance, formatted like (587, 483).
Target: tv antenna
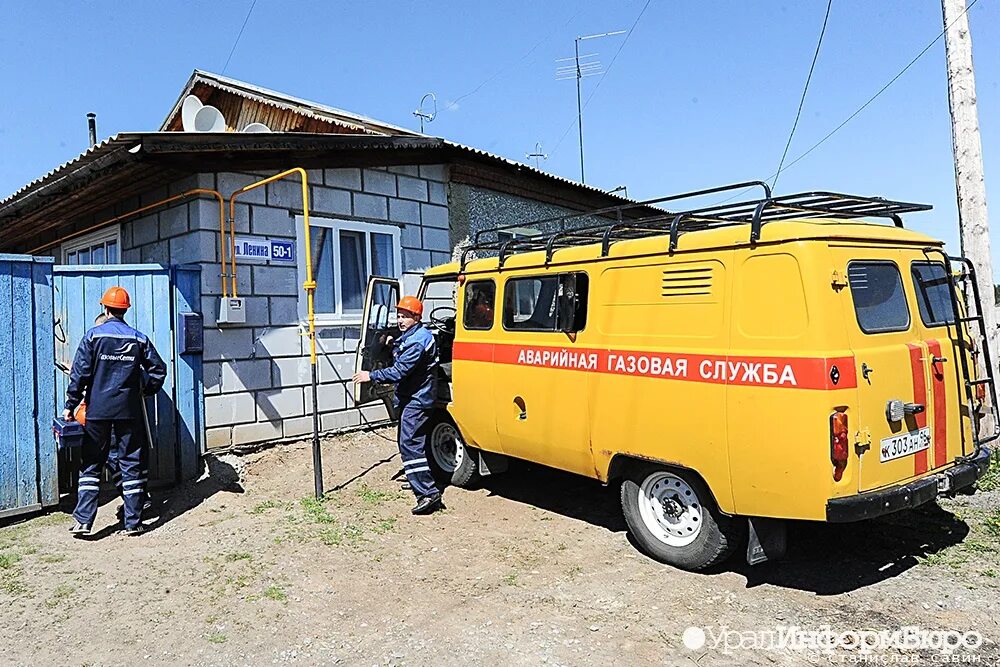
(578, 70)
(538, 154)
(423, 115)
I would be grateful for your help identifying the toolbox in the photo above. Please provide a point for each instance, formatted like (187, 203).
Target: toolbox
(68, 434)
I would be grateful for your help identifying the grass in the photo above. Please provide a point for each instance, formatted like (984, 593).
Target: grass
(991, 480)
(315, 509)
(385, 525)
(276, 593)
(52, 558)
(7, 561)
(59, 595)
(376, 496)
(237, 555)
(216, 638)
(510, 579)
(260, 508)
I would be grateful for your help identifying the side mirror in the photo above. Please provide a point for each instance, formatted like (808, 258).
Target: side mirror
(567, 303)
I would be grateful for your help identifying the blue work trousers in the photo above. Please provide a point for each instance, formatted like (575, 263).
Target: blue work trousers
(414, 432)
(100, 437)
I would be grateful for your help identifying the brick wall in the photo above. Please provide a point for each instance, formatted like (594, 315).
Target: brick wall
(258, 375)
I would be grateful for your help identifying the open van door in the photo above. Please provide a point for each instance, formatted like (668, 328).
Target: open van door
(378, 327)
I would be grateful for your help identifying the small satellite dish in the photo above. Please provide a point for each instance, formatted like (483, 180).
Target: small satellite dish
(209, 119)
(189, 108)
(254, 128)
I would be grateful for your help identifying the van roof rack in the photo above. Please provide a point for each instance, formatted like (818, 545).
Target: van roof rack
(623, 222)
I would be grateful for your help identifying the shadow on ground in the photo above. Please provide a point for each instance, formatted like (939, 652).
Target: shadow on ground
(822, 558)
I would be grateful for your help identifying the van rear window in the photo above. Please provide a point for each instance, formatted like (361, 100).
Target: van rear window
(930, 281)
(879, 300)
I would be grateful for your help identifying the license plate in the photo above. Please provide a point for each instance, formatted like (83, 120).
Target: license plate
(905, 444)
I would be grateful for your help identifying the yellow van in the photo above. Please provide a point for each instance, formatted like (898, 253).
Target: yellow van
(731, 366)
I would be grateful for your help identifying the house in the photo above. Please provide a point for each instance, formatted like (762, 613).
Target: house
(382, 199)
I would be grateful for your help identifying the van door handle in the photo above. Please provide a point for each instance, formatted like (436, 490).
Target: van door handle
(938, 360)
(866, 370)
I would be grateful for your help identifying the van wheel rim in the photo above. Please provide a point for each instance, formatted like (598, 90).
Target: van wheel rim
(446, 448)
(670, 509)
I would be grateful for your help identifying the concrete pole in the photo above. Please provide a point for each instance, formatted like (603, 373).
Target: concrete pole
(971, 188)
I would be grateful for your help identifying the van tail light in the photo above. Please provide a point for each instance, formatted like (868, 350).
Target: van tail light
(981, 393)
(838, 444)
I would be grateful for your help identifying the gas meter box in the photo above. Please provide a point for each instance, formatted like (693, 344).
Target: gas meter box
(68, 434)
(232, 310)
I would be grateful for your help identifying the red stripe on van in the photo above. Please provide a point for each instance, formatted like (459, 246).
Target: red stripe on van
(788, 372)
(940, 406)
(919, 396)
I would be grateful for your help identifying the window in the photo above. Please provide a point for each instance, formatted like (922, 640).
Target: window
(344, 255)
(934, 293)
(879, 300)
(480, 297)
(438, 294)
(100, 247)
(549, 303)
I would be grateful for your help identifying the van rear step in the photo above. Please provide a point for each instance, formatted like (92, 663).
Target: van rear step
(886, 501)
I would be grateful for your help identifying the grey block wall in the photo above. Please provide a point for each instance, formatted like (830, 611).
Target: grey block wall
(258, 376)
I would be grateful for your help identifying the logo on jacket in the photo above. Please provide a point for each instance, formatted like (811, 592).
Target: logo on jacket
(120, 354)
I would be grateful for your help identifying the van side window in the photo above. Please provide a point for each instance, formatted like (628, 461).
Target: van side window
(934, 295)
(879, 300)
(548, 303)
(480, 296)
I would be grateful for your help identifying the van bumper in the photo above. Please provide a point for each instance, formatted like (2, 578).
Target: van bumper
(886, 501)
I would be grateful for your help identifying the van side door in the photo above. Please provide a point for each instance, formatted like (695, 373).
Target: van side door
(542, 371)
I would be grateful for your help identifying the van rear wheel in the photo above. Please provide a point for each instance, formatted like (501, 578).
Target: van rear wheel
(674, 519)
(452, 461)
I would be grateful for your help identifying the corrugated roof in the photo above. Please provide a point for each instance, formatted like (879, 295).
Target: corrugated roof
(281, 100)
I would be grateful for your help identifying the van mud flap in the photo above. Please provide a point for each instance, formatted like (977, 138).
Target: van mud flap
(767, 540)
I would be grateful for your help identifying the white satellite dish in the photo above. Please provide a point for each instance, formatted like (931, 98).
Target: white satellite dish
(190, 108)
(209, 119)
(256, 127)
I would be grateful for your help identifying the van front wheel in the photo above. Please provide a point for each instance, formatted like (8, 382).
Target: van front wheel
(673, 517)
(452, 461)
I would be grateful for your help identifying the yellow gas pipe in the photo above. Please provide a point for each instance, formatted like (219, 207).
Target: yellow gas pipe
(309, 286)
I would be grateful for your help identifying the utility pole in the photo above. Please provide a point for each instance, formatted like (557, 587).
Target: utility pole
(971, 188)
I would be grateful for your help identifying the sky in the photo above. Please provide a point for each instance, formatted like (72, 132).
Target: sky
(699, 94)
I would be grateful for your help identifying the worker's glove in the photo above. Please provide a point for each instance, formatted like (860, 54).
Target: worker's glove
(67, 415)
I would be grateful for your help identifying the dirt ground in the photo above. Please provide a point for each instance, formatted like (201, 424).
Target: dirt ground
(243, 567)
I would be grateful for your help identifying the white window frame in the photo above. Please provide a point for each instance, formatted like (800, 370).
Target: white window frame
(337, 225)
(112, 233)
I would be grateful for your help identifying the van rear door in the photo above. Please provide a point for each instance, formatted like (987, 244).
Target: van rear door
(893, 430)
(949, 416)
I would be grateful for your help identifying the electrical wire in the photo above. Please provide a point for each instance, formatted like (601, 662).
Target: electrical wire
(805, 89)
(863, 106)
(242, 28)
(488, 79)
(603, 75)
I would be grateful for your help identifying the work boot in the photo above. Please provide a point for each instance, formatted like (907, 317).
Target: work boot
(428, 504)
(135, 530)
(79, 530)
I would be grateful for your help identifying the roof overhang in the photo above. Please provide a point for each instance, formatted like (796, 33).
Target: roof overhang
(132, 164)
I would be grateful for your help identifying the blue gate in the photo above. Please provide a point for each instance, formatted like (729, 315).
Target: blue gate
(160, 295)
(28, 471)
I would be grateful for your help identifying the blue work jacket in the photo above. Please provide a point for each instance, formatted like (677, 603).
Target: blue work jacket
(108, 371)
(414, 356)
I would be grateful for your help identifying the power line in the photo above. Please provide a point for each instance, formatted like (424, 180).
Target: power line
(601, 80)
(805, 89)
(516, 62)
(863, 106)
(242, 28)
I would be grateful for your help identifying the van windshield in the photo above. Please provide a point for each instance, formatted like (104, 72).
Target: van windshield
(879, 301)
(930, 281)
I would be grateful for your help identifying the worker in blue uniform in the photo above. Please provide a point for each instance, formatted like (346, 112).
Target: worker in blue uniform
(115, 365)
(414, 358)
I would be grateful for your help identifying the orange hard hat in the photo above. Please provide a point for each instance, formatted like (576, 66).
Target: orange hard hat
(116, 297)
(412, 304)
